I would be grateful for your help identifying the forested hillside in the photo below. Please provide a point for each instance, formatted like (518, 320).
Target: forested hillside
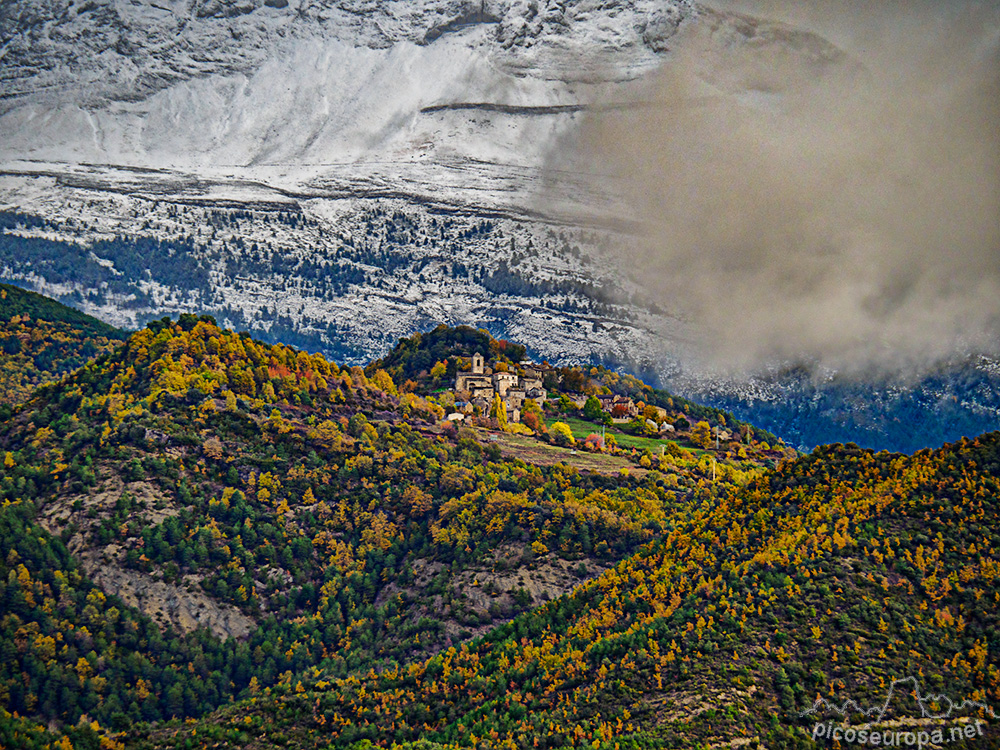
(829, 577)
(42, 340)
(198, 517)
(206, 540)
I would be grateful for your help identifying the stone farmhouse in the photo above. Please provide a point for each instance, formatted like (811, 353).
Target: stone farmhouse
(478, 386)
(627, 408)
(624, 409)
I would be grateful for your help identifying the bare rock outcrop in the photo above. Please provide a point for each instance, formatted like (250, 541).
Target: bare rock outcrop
(183, 607)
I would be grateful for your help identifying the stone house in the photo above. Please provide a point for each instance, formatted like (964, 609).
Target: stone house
(610, 401)
(515, 397)
(503, 382)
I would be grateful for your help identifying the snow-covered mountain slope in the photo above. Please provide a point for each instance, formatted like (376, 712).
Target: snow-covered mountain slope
(314, 97)
(461, 101)
(348, 276)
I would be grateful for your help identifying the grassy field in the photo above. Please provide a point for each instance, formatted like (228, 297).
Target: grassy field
(581, 428)
(531, 450)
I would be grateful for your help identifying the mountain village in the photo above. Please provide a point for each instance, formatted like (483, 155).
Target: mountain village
(478, 387)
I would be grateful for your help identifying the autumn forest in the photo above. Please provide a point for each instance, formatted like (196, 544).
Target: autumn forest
(211, 541)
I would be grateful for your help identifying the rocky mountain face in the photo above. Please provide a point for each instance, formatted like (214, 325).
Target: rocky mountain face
(339, 174)
(111, 50)
(307, 85)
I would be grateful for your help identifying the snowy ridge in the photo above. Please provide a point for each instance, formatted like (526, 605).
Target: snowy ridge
(244, 84)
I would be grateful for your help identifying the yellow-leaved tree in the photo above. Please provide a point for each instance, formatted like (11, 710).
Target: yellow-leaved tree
(498, 411)
(701, 435)
(561, 433)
